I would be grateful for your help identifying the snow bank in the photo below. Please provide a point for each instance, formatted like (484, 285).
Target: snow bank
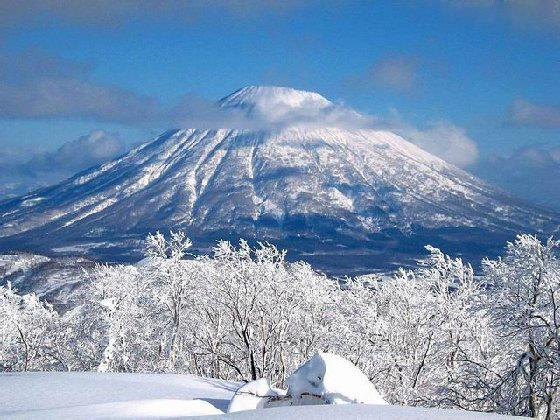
(324, 379)
(357, 411)
(137, 409)
(55, 395)
(330, 379)
(112, 395)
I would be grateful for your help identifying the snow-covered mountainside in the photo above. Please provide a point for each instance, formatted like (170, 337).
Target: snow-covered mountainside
(308, 185)
(54, 279)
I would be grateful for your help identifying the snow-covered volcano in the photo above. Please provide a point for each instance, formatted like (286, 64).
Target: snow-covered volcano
(306, 183)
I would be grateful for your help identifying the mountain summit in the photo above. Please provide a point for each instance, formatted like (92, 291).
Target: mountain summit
(339, 197)
(265, 98)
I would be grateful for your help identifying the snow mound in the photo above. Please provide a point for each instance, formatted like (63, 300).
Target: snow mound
(330, 379)
(254, 395)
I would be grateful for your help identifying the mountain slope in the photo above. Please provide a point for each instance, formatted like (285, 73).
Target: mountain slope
(304, 183)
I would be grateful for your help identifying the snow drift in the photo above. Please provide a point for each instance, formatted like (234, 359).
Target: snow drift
(106, 395)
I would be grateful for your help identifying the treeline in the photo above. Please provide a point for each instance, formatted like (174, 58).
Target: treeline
(433, 336)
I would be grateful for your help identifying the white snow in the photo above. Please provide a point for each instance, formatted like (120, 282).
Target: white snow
(334, 379)
(358, 411)
(110, 395)
(91, 395)
(253, 395)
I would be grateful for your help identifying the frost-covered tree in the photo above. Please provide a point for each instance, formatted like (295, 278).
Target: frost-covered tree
(120, 303)
(172, 283)
(419, 324)
(523, 301)
(27, 332)
(242, 313)
(272, 312)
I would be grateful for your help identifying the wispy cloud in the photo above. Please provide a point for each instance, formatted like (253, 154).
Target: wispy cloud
(532, 14)
(34, 86)
(445, 140)
(38, 86)
(81, 153)
(397, 72)
(528, 113)
(442, 138)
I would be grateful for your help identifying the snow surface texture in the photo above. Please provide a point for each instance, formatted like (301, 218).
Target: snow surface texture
(305, 182)
(104, 395)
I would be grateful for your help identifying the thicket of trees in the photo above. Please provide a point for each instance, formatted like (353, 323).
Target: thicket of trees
(434, 336)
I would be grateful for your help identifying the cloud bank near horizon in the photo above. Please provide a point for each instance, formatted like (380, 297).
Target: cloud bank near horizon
(24, 170)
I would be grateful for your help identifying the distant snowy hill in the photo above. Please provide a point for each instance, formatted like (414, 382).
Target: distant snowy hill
(342, 198)
(56, 280)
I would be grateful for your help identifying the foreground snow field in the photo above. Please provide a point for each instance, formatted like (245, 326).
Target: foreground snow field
(112, 395)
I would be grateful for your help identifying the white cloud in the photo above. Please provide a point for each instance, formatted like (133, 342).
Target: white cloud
(76, 155)
(38, 86)
(443, 139)
(24, 170)
(273, 108)
(532, 14)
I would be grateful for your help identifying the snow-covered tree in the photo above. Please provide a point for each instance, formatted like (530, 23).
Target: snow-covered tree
(267, 308)
(523, 301)
(120, 302)
(420, 323)
(27, 332)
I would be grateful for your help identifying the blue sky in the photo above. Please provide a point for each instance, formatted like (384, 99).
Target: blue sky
(490, 69)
